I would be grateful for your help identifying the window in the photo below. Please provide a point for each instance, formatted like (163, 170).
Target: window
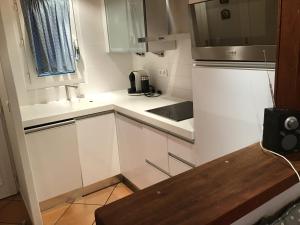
(51, 52)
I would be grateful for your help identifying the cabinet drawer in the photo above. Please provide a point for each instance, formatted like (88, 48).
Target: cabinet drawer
(177, 167)
(153, 175)
(182, 149)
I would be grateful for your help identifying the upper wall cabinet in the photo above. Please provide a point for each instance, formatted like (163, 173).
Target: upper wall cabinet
(139, 25)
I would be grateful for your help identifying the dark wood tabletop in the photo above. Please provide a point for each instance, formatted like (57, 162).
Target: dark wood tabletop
(216, 193)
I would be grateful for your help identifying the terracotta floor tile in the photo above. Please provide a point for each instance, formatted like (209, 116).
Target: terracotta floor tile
(14, 212)
(97, 198)
(51, 216)
(78, 214)
(120, 191)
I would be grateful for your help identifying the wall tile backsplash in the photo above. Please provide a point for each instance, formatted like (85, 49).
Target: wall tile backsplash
(178, 62)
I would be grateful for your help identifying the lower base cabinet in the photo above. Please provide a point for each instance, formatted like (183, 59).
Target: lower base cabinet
(152, 175)
(133, 154)
(144, 156)
(98, 148)
(177, 167)
(79, 153)
(68, 156)
(131, 150)
(54, 157)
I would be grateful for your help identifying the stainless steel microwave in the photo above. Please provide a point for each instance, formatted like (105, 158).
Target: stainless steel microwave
(234, 30)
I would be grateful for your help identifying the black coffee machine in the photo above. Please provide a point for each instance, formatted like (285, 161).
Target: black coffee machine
(139, 82)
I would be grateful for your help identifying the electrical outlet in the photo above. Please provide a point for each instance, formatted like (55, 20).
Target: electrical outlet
(163, 72)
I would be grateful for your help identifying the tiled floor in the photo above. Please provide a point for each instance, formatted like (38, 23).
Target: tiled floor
(81, 212)
(13, 211)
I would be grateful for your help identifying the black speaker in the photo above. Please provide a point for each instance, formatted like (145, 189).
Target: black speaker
(281, 131)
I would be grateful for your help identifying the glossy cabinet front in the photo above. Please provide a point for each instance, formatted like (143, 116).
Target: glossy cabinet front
(98, 148)
(55, 161)
(125, 25)
(144, 153)
(131, 150)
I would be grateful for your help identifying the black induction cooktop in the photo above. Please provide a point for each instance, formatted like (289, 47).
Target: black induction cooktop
(177, 112)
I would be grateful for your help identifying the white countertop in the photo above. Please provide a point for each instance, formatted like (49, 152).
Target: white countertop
(120, 101)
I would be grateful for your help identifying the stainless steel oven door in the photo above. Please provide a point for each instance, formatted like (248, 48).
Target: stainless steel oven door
(234, 30)
(258, 53)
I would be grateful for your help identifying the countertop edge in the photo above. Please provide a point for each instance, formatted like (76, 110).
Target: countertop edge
(172, 129)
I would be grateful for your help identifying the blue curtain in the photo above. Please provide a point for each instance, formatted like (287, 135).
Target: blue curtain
(49, 30)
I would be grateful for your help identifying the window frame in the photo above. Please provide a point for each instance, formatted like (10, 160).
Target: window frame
(32, 80)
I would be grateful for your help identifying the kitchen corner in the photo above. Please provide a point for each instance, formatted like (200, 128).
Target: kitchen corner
(101, 99)
(104, 139)
(119, 101)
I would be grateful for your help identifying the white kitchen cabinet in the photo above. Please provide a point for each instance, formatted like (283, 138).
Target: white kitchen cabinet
(153, 175)
(148, 156)
(98, 148)
(54, 157)
(177, 167)
(182, 149)
(131, 150)
(133, 140)
(156, 147)
(130, 23)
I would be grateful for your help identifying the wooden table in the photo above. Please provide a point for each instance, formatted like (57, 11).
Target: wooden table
(218, 192)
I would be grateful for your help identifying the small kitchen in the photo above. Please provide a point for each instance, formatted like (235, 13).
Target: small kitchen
(131, 94)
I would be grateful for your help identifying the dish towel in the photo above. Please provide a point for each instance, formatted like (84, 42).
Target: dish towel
(49, 30)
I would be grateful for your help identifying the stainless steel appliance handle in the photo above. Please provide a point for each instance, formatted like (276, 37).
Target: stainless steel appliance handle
(49, 126)
(158, 168)
(234, 64)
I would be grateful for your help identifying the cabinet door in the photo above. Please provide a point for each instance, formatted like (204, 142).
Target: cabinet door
(136, 25)
(98, 148)
(177, 167)
(156, 147)
(152, 175)
(55, 161)
(182, 149)
(125, 25)
(117, 25)
(131, 150)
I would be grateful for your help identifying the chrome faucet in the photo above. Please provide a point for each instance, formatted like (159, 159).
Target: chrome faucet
(68, 93)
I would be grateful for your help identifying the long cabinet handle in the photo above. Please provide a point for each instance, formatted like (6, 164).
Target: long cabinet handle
(182, 160)
(158, 168)
(248, 65)
(49, 126)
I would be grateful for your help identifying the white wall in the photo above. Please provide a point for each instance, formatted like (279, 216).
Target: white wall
(103, 71)
(15, 130)
(8, 185)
